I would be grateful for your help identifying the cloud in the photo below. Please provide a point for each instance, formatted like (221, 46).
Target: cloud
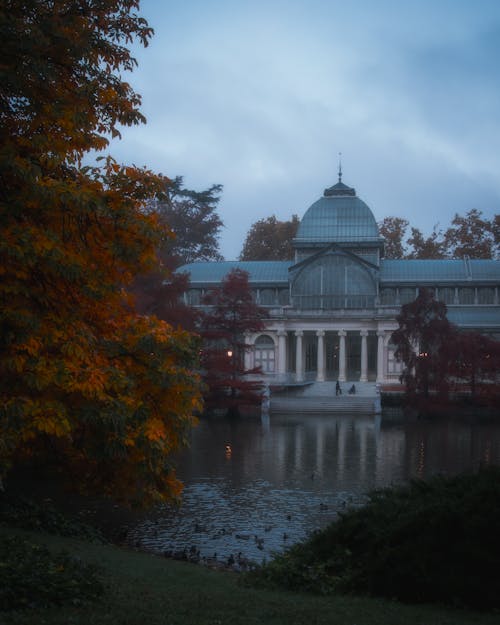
(262, 96)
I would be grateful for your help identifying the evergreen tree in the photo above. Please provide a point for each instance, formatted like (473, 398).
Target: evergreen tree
(192, 218)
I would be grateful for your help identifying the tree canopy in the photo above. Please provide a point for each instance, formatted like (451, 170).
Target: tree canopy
(393, 230)
(423, 332)
(193, 229)
(468, 235)
(439, 357)
(270, 239)
(232, 312)
(193, 220)
(87, 387)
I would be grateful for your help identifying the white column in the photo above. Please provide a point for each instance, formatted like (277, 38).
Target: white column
(320, 376)
(281, 351)
(380, 357)
(364, 356)
(249, 354)
(342, 358)
(299, 356)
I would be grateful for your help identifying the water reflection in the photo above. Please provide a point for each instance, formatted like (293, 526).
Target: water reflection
(254, 486)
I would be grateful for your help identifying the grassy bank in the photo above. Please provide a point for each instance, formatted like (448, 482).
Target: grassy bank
(145, 589)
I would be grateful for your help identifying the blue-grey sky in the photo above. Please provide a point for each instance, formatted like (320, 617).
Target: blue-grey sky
(261, 96)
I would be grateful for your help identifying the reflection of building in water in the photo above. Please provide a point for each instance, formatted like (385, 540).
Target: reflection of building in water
(363, 449)
(316, 447)
(332, 309)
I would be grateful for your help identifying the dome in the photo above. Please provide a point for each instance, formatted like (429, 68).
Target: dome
(338, 217)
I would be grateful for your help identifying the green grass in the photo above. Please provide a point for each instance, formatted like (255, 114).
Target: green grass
(143, 589)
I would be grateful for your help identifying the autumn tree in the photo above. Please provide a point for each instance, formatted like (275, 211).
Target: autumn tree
(495, 230)
(393, 231)
(88, 388)
(230, 314)
(475, 361)
(421, 344)
(431, 247)
(270, 239)
(472, 235)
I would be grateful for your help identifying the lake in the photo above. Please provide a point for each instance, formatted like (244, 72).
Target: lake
(254, 486)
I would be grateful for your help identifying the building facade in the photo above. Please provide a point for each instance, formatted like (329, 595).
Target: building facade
(332, 309)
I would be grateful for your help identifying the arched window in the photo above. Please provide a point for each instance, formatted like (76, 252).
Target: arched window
(264, 353)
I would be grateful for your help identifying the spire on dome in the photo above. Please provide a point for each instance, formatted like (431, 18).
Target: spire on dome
(340, 188)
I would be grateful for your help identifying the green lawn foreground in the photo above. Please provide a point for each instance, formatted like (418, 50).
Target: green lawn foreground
(144, 589)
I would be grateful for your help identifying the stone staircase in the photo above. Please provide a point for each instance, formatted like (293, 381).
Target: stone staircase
(320, 397)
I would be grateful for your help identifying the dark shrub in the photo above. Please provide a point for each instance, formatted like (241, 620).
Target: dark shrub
(436, 540)
(19, 511)
(32, 577)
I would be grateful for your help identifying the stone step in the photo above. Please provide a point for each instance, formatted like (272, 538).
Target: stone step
(341, 404)
(327, 389)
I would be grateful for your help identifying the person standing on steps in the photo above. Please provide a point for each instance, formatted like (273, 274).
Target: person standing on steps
(338, 390)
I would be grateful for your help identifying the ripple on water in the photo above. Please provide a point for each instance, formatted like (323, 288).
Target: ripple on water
(217, 521)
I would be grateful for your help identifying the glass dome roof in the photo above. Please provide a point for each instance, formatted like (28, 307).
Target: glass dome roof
(338, 217)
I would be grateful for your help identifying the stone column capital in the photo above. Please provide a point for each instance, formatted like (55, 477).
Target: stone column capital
(363, 332)
(342, 333)
(299, 332)
(281, 333)
(320, 333)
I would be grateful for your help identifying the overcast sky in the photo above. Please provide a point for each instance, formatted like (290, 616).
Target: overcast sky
(261, 96)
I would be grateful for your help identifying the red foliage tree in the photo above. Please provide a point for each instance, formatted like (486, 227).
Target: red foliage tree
(232, 312)
(475, 361)
(420, 340)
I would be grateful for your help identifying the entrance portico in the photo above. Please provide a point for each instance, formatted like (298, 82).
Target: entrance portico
(331, 354)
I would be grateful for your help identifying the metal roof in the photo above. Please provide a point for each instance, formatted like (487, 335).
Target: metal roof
(475, 316)
(484, 269)
(391, 271)
(442, 271)
(260, 271)
(337, 219)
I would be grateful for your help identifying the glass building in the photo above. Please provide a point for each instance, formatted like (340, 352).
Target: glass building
(332, 309)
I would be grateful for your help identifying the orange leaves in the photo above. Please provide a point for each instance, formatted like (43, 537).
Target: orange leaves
(155, 429)
(80, 372)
